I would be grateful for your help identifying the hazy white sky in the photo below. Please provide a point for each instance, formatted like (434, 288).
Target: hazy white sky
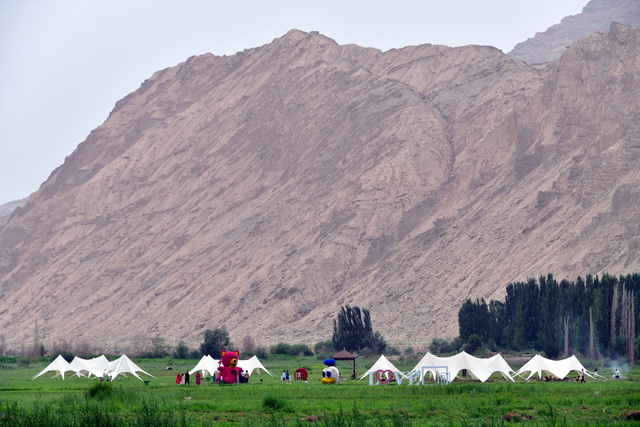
(65, 63)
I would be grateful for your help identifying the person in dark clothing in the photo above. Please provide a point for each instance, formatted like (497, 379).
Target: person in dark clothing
(186, 378)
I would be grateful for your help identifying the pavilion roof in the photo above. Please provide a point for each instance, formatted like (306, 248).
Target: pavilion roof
(344, 355)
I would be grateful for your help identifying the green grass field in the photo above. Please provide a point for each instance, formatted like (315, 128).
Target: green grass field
(128, 401)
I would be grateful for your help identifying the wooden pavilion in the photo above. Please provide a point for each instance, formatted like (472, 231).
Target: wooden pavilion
(345, 355)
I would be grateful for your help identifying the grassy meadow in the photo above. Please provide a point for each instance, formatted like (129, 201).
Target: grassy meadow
(265, 400)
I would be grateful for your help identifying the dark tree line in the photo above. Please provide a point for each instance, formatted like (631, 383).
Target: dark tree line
(352, 331)
(593, 316)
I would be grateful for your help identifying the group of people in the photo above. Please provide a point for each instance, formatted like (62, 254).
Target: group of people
(243, 377)
(581, 376)
(285, 376)
(184, 378)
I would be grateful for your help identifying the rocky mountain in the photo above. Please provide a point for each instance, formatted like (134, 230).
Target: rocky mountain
(263, 190)
(7, 209)
(597, 15)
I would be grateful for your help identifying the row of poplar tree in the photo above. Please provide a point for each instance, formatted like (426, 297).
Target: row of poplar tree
(596, 317)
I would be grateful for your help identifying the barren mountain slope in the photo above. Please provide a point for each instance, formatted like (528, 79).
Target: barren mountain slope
(597, 15)
(7, 209)
(263, 190)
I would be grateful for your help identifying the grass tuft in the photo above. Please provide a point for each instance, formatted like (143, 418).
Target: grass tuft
(100, 390)
(273, 403)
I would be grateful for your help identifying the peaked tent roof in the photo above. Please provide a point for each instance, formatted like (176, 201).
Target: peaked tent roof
(88, 367)
(124, 365)
(453, 363)
(381, 364)
(251, 364)
(429, 360)
(59, 365)
(206, 364)
(80, 366)
(480, 369)
(558, 368)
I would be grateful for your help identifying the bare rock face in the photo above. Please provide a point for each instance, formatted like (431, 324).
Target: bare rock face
(263, 190)
(597, 15)
(7, 209)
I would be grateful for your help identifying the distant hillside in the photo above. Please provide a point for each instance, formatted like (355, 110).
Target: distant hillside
(260, 191)
(7, 209)
(596, 16)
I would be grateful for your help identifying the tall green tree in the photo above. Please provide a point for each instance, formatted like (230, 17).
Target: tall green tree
(214, 341)
(352, 331)
(550, 333)
(181, 351)
(521, 315)
(496, 322)
(474, 319)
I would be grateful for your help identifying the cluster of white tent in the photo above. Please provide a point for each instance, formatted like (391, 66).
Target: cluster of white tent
(482, 369)
(101, 367)
(478, 368)
(209, 365)
(96, 367)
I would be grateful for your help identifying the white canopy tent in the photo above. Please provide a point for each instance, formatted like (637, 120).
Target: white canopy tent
(59, 366)
(206, 365)
(252, 364)
(89, 367)
(430, 360)
(382, 364)
(122, 366)
(480, 369)
(557, 368)
(210, 365)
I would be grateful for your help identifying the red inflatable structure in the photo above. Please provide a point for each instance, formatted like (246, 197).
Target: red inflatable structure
(301, 374)
(229, 371)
